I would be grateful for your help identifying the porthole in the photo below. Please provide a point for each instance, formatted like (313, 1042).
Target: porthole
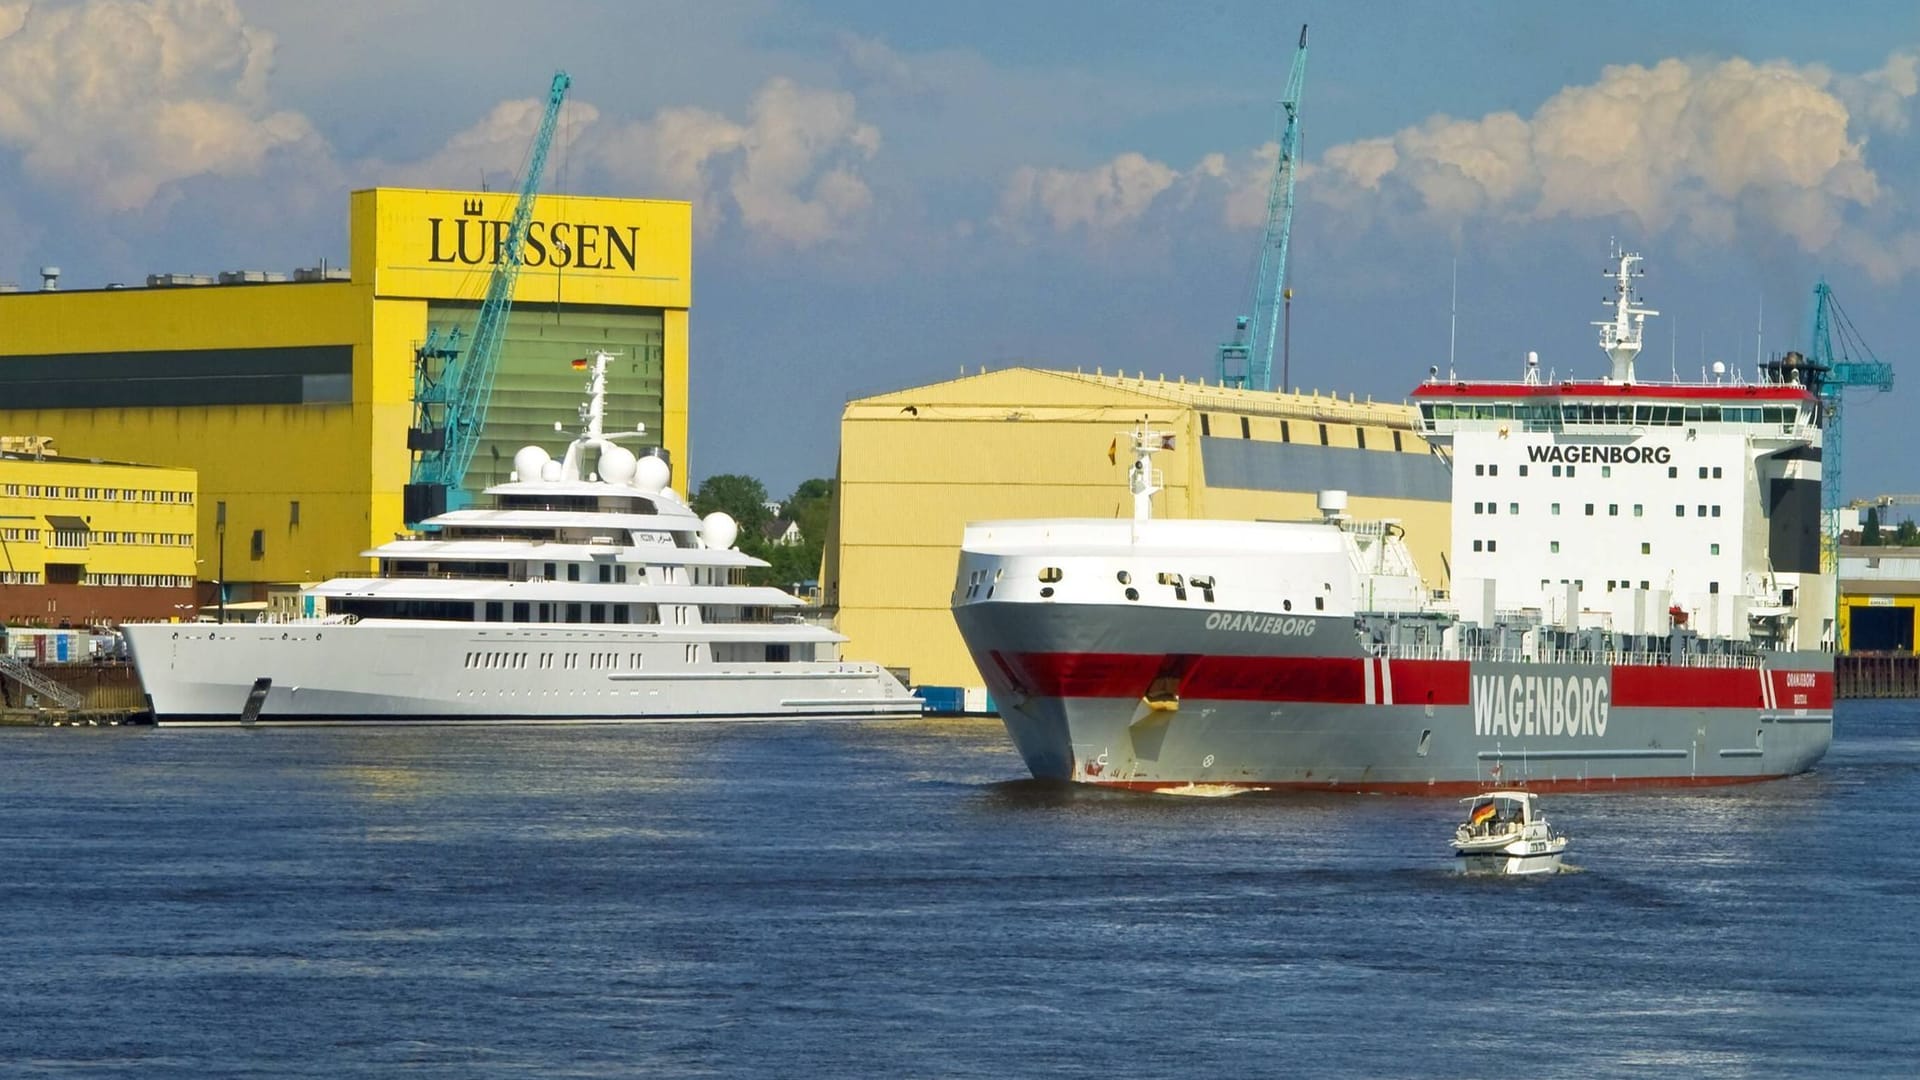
(1286, 605)
(1049, 574)
(1046, 591)
(1124, 578)
(1133, 594)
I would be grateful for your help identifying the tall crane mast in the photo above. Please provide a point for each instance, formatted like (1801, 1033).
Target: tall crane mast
(1247, 360)
(453, 385)
(1832, 373)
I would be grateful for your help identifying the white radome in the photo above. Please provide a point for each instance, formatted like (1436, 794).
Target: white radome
(719, 530)
(616, 464)
(528, 462)
(550, 472)
(652, 474)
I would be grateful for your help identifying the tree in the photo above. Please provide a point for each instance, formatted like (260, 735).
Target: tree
(741, 498)
(1907, 534)
(1870, 532)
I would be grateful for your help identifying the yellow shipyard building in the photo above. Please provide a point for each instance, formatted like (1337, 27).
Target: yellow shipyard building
(291, 395)
(86, 543)
(917, 465)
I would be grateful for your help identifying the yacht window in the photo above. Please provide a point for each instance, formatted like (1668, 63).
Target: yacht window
(619, 613)
(573, 613)
(552, 572)
(1050, 574)
(573, 571)
(1124, 578)
(521, 611)
(606, 574)
(597, 613)
(496, 611)
(620, 574)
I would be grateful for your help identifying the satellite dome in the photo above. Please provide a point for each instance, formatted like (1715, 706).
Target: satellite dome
(550, 472)
(719, 531)
(616, 464)
(669, 494)
(652, 474)
(528, 462)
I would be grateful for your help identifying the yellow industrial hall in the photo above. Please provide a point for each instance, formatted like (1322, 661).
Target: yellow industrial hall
(291, 394)
(917, 465)
(87, 542)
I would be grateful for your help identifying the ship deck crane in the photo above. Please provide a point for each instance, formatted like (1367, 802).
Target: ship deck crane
(1833, 372)
(1247, 360)
(453, 385)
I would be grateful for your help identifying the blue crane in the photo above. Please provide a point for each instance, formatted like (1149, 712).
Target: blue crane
(453, 385)
(1832, 374)
(1247, 360)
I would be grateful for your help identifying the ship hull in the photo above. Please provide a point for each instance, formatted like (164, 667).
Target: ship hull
(1147, 698)
(456, 673)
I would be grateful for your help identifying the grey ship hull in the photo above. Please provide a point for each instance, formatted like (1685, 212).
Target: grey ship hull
(1147, 697)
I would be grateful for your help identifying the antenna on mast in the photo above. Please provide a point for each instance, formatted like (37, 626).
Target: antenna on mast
(1453, 312)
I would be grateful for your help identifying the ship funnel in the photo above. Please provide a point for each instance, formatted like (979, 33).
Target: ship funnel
(1333, 505)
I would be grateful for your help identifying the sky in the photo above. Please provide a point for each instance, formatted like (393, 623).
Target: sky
(890, 194)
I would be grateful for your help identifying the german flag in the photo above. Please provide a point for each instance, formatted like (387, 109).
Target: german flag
(1483, 812)
(580, 364)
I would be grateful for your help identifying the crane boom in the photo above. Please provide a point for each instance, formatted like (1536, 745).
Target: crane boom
(1834, 372)
(1247, 360)
(453, 386)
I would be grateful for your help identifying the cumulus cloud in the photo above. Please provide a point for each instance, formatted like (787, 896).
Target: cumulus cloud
(789, 171)
(499, 141)
(1100, 198)
(1707, 147)
(114, 99)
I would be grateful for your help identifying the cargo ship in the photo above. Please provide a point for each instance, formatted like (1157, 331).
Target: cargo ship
(1637, 598)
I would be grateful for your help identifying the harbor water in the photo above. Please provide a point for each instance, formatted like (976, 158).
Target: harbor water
(892, 899)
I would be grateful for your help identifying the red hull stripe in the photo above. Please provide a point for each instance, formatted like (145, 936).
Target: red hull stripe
(1355, 681)
(1611, 390)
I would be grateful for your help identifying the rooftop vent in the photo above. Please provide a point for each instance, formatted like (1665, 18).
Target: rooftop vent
(322, 273)
(49, 278)
(251, 277)
(175, 281)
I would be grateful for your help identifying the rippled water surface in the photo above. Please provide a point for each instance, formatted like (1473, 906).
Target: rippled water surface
(890, 899)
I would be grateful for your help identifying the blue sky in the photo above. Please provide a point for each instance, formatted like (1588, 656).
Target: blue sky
(887, 193)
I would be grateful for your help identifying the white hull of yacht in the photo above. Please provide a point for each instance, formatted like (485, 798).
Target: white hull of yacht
(325, 673)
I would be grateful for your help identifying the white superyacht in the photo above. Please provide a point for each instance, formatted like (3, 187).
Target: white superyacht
(579, 595)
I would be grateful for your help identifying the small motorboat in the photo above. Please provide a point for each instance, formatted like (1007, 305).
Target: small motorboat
(1505, 834)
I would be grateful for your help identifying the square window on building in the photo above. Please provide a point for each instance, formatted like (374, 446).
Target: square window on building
(1703, 472)
(1556, 470)
(1700, 511)
(1716, 472)
(1493, 470)
(1643, 584)
(1713, 549)
(1523, 470)
(1479, 508)
(1713, 587)
(1637, 508)
(1553, 547)
(1589, 509)
(1476, 545)
(1493, 545)
(1556, 510)
(1646, 549)
(1613, 509)
(1716, 510)
(1606, 471)
(1673, 471)
(1513, 508)
(1480, 470)
(1679, 511)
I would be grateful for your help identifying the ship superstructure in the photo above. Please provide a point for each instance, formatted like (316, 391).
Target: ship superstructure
(587, 591)
(1636, 598)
